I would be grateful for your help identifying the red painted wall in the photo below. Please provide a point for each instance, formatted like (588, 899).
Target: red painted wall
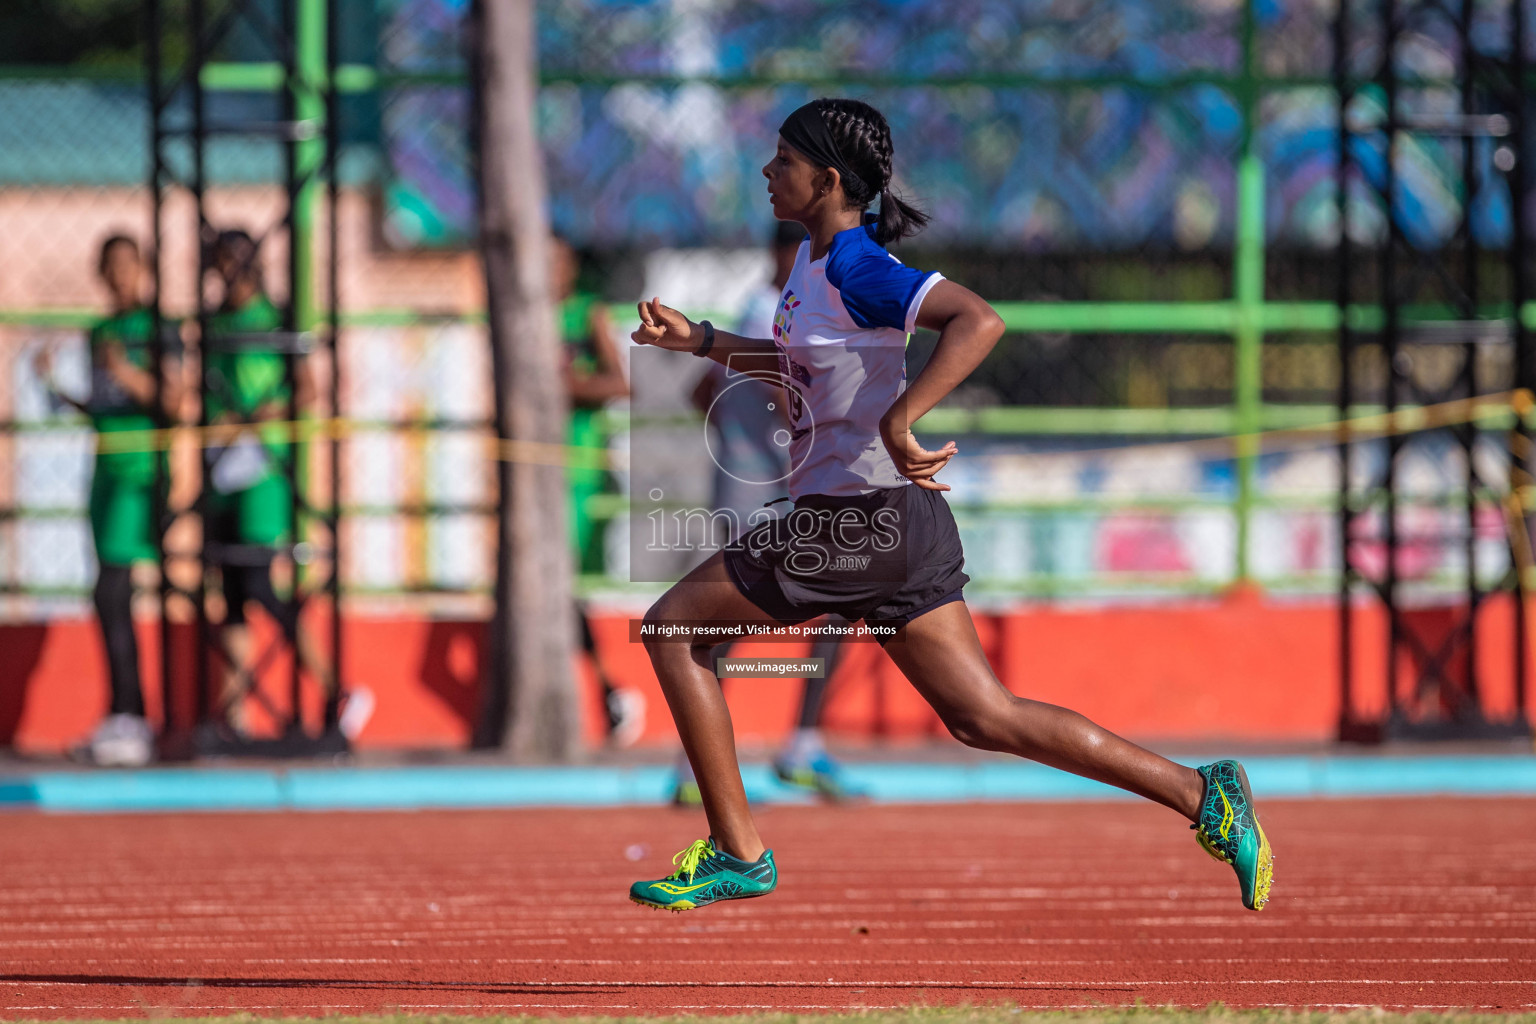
(1242, 668)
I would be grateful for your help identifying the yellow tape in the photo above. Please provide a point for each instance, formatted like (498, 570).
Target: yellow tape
(124, 442)
(1403, 421)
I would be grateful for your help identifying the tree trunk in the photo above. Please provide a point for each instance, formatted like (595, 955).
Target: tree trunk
(531, 703)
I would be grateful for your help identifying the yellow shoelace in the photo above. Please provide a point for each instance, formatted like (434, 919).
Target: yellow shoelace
(687, 861)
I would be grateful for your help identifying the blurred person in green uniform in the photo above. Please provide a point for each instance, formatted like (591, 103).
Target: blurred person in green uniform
(594, 375)
(249, 490)
(123, 502)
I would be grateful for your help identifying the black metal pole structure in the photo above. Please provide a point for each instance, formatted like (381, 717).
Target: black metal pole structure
(1343, 268)
(292, 183)
(1387, 287)
(194, 81)
(304, 124)
(1521, 175)
(1465, 697)
(333, 343)
(1440, 290)
(153, 75)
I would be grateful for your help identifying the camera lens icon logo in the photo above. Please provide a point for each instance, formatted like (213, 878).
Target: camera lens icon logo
(752, 435)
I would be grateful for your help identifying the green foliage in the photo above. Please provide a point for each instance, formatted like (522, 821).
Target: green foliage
(105, 38)
(102, 33)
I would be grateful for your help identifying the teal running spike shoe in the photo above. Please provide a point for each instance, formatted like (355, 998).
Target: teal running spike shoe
(1230, 832)
(706, 875)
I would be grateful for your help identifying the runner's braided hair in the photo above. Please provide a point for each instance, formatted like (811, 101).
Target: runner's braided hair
(864, 139)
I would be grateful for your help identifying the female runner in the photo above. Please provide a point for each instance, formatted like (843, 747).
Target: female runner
(870, 536)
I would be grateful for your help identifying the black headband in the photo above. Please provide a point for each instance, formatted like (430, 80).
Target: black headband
(807, 132)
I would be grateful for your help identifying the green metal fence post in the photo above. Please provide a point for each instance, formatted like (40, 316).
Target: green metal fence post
(309, 111)
(1248, 292)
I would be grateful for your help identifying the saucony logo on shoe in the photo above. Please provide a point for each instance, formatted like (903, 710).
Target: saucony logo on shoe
(678, 890)
(1226, 816)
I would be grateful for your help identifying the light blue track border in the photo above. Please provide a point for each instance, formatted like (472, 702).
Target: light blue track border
(412, 788)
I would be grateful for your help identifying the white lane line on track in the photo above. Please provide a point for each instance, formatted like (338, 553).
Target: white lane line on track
(46, 949)
(1306, 940)
(1024, 983)
(759, 962)
(287, 1009)
(811, 918)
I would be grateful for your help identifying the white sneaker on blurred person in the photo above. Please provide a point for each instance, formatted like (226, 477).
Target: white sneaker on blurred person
(121, 741)
(357, 706)
(626, 716)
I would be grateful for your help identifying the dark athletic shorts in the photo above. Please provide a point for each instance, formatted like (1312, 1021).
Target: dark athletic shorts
(885, 557)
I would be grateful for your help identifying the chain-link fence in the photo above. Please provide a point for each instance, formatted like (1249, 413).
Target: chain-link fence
(1147, 191)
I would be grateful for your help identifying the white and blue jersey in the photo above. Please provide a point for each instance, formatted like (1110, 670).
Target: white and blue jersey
(841, 332)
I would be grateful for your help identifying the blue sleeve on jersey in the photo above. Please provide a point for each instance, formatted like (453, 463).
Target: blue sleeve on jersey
(876, 287)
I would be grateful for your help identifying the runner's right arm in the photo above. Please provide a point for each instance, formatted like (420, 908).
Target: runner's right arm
(666, 328)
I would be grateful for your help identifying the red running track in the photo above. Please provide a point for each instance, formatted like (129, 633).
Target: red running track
(1402, 903)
